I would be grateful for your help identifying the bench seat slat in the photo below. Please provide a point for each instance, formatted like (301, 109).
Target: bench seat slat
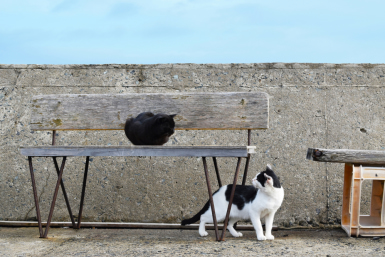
(229, 110)
(176, 151)
(346, 156)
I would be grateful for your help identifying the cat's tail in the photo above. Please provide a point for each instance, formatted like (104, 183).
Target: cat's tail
(196, 216)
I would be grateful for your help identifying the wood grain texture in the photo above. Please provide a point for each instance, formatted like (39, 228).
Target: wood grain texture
(177, 151)
(346, 156)
(110, 111)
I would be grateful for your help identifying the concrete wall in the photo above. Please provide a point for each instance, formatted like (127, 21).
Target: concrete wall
(311, 105)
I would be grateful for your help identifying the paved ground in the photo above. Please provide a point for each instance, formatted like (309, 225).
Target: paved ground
(150, 242)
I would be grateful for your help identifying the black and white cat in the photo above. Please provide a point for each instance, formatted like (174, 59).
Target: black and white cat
(261, 200)
(150, 129)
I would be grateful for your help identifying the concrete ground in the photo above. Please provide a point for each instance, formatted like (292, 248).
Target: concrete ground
(21, 241)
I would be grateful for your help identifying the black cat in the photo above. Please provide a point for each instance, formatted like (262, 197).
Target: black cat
(150, 129)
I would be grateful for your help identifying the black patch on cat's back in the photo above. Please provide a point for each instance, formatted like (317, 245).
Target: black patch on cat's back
(242, 195)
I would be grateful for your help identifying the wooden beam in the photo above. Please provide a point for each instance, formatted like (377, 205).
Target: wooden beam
(234, 110)
(370, 157)
(177, 151)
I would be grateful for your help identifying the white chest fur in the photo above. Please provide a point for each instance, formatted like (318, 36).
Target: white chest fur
(270, 198)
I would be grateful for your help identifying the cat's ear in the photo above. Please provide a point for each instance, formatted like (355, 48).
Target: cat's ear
(269, 180)
(268, 167)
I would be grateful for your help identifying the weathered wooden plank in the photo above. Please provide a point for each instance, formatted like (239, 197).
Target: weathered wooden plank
(346, 156)
(176, 151)
(109, 111)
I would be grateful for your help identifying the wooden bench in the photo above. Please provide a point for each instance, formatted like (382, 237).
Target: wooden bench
(195, 111)
(360, 165)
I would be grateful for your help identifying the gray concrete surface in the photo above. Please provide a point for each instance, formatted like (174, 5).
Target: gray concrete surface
(311, 105)
(144, 242)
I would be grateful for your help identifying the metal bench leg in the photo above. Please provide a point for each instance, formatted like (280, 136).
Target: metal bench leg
(217, 172)
(35, 196)
(55, 196)
(246, 169)
(83, 191)
(64, 193)
(247, 159)
(231, 199)
(211, 199)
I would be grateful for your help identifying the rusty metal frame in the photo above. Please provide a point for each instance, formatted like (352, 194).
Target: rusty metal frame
(43, 234)
(211, 198)
(59, 171)
(220, 185)
(247, 158)
(83, 192)
(60, 174)
(35, 196)
(217, 172)
(212, 201)
(64, 191)
(60, 182)
(231, 199)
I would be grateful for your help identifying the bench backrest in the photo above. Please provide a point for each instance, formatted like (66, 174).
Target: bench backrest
(110, 111)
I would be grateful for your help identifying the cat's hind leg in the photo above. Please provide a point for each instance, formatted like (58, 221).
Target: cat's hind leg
(202, 229)
(231, 229)
(202, 225)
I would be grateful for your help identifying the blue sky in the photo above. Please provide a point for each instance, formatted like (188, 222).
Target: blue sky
(191, 31)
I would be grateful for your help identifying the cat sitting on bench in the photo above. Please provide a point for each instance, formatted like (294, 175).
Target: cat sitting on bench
(150, 129)
(261, 200)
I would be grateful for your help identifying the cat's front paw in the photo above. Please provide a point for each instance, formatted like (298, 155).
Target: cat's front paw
(237, 234)
(270, 237)
(261, 237)
(203, 233)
